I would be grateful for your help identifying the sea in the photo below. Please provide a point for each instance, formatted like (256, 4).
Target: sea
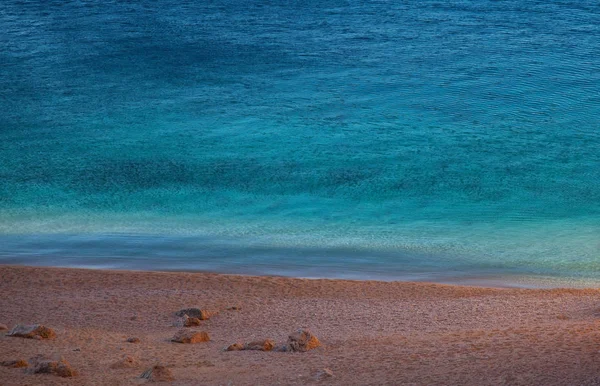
(449, 141)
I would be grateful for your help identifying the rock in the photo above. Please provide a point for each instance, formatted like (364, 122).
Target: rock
(302, 341)
(234, 308)
(190, 322)
(16, 363)
(133, 340)
(44, 365)
(187, 336)
(235, 347)
(36, 331)
(324, 374)
(260, 345)
(205, 364)
(126, 362)
(158, 373)
(195, 313)
(3, 327)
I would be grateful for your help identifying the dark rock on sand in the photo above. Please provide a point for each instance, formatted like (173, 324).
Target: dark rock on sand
(158, 373)
(44, 365)
(195, 313)
(324, 374)
(126, 362)
(36, 331)
(260, 345)
(235, 347)
(234, 308)
(133, 340)
(302, 340)
(187, 336)
(190, 322)
(16, 363)
(257, 345)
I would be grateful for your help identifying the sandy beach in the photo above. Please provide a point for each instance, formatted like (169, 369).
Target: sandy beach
(371, 332)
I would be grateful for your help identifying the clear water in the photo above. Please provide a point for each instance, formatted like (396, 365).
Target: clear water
(379, 139)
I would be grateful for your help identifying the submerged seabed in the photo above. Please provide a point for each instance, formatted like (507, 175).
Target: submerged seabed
(341, 139)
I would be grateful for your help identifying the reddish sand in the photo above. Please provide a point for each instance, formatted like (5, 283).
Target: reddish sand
(372, 332)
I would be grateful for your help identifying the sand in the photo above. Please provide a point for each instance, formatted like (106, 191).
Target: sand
(372, 333)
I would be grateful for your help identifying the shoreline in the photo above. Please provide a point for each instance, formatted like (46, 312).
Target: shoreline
(516, 281)
(251, 256)
(373, 332)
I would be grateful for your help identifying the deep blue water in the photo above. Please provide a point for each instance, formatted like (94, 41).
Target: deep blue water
(313, 138)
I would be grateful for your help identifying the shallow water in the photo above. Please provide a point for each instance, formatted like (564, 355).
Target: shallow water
(338, 138)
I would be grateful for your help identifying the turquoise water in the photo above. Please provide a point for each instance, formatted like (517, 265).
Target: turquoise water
(378, 139)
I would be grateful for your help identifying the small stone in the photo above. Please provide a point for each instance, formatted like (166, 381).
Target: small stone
(234, 308)
(158, 373)
(16, 363)
(133, 340)
(302, 341)
(44, 365)
(235, 347)
(195, 313)
(3, 327)
(205, 364)
(260, 345)
(36, 331)
(324, 374)
(187, 336)
(190, 322)
(134, 317)
(126, 362)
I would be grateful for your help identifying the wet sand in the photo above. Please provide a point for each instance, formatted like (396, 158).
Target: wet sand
(372, 332)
